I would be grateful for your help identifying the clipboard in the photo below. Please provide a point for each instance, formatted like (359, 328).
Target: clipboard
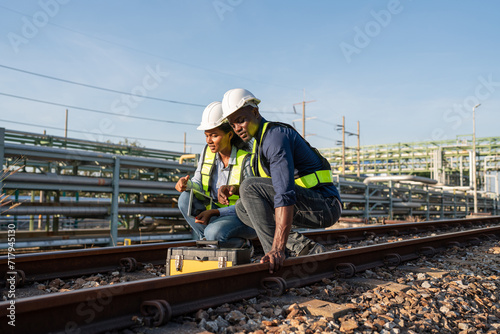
(198, 202)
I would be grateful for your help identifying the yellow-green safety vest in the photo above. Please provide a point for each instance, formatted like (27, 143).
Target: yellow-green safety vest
(235, 173)
(307, 181)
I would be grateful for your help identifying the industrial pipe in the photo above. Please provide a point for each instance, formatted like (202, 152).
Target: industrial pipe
(26, 210)
(399, 178)
(51, 178)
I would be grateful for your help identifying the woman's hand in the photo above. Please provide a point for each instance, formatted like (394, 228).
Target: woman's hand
(204, 217)
(225, 192)
(181, 184)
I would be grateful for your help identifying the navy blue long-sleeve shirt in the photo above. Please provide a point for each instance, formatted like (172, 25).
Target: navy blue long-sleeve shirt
(289, 155)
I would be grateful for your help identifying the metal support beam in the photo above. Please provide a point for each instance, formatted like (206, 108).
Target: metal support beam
(114, 202)
(427, 197)
(367, 199)
(441, 216)
(391, 193)
(2, 151)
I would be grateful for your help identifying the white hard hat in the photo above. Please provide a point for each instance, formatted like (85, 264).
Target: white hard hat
(237, 98)
(212, 116)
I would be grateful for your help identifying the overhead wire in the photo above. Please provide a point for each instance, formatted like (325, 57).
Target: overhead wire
(322, 137)
(99, 88)
(120, 92)
(152, 54)
(94, 110)
(103, 134)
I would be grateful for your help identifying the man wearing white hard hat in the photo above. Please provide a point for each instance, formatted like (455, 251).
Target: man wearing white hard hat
(293, 185)
(223, 161)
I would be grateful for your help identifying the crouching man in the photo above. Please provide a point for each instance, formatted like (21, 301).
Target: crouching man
(293, 182)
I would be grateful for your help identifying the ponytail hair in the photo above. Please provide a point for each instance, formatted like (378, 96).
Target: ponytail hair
(235, 140)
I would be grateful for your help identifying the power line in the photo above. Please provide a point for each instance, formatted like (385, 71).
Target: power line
(93, 110)
(105, 135)
(323, 121)
(99, 88)
(120, 92)
(325, 138)
(276, 112)
(152, 54)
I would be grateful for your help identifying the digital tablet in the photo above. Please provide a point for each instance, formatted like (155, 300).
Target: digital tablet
(198, 202)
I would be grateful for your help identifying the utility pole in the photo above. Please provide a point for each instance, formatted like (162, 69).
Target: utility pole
(184, 142)
(359, 163)
(474, 180)
(303, 103)
(343, 144)
(66, 125)
(344, 132)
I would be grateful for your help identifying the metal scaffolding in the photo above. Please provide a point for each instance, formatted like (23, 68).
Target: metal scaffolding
(447, 161)
(135, 186)
(84, 171)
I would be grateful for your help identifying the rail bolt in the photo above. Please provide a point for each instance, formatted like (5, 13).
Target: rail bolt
(393, 233)
(427, 251)
(451, 244)
(392, 260)
(274, 286)
(342, 238)
(345, 270)
(474, 241)
(20, 277)
(370, 235)
(156, 312)
(129, 264)
(489, 236)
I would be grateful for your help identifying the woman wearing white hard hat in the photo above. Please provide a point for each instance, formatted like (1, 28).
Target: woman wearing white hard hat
(225, 160)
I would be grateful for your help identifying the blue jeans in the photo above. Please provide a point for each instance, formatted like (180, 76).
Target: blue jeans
(228, 230)
(255, 208)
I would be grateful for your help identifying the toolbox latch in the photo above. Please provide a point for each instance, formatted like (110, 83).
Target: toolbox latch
(178, 262)
(222, 262)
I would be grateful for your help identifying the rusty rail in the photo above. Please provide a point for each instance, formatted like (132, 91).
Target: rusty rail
(63, 264)
(157, 300)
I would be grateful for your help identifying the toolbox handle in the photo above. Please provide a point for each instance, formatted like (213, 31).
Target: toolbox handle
(207, 243)
(197, 258)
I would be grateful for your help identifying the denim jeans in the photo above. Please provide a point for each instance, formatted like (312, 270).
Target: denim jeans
(228, 230)
(255, 208)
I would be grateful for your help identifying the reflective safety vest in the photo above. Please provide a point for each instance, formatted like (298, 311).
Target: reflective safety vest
(235, 172)
(320, 177)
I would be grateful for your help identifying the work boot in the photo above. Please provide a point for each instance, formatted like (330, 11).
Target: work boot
(312, 248)
(249, 244)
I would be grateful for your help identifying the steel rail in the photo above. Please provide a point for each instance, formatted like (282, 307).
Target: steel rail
(63, 264)
(157, 300)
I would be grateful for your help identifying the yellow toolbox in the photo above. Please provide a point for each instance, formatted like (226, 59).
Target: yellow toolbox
(205, 256)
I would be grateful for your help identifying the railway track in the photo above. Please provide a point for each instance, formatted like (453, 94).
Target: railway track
(156, 300)
(64, 264)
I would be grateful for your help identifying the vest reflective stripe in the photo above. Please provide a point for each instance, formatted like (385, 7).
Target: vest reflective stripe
(256, 153)
(235, 174)
(306, 181)
(206, 169)
(312, 180)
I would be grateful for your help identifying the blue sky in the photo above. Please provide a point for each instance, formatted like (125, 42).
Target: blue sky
(407, 70)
